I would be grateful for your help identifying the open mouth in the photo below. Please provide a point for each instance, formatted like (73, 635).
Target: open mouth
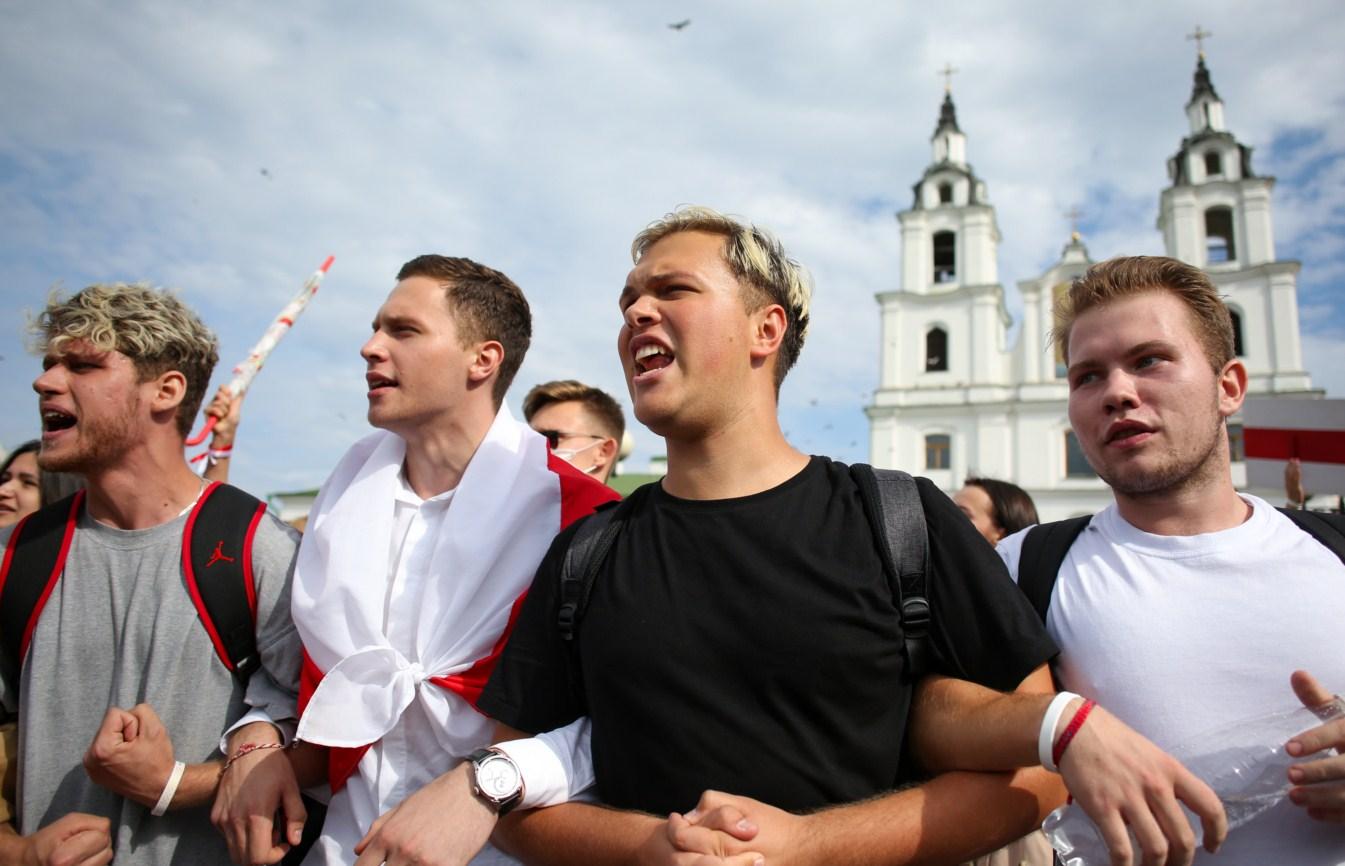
(650, 357)
(54, 420)
(379, 383)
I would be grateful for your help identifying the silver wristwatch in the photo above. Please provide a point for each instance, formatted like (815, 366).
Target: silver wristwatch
(496, 779)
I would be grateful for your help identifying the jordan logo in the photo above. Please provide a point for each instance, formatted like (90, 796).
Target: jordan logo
(218, 555)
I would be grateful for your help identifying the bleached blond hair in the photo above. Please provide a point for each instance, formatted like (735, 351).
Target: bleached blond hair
(757, 258)
(150, 326)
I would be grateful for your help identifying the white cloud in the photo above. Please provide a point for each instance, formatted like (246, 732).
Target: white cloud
(539, 137)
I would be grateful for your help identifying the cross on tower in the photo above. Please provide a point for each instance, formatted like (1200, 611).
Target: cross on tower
(1074, 215)
(1200, 36)
(947, 72)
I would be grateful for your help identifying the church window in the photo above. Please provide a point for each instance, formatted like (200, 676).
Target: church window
(936, 350)
(938, 448)
(1236, 448)
(1237, 333)
(1219, 235)
(1076, 464)
(945, 257)
(945, 193)
(1213, 165)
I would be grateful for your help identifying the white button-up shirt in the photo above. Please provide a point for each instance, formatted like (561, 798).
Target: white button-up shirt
(414, 752)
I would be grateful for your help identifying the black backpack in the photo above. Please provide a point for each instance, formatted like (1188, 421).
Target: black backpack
(896, 516)
(216, 566)
(1046, 545)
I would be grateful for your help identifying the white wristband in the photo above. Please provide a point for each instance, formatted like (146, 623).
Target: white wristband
(169, 789)
(1046, 736)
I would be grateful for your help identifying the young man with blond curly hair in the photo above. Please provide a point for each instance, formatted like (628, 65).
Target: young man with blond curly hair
(115, 670)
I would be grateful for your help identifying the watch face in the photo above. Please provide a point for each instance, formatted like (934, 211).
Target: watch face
(497, 778)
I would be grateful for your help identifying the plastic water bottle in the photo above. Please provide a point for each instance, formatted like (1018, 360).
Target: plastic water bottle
(1245, 764)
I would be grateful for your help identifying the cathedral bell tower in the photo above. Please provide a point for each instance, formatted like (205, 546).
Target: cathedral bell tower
(949, 237)
(944, 329)
(1216, 215)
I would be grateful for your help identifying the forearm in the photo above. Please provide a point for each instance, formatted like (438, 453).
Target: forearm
(959, 725)
(953, 818)
(309, 762)
(574, 834)
(12, 845)
(217, 469)
(197, 787)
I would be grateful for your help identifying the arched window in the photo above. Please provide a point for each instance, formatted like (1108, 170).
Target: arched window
(936, 350)
(1213, 165)
(1237, 332)
(938, 451)
(945, 193)
(1219, 235)
(1076, 464)
(945, 257)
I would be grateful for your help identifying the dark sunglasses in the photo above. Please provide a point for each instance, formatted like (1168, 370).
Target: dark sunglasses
(553, 437)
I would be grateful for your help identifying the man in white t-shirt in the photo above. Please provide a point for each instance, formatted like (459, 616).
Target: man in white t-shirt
(1185, 606)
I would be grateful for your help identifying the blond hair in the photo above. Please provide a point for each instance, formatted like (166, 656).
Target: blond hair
(757, 259)
(150, 326)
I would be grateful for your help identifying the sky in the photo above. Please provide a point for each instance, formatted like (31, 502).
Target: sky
(225, 149)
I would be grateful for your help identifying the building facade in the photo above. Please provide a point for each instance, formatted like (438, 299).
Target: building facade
(955, 399)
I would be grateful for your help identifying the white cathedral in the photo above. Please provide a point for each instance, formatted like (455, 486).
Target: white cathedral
(954, 399)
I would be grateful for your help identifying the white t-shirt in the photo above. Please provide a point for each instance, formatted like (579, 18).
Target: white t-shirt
(1178, 635)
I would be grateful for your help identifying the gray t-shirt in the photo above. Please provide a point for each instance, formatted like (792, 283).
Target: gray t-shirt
(120, 629)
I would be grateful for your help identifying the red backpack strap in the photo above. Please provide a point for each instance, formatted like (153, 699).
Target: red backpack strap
(217, 568)
(34, 560)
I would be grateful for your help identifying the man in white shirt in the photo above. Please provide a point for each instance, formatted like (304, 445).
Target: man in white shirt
(1185, 606)
(418, 550)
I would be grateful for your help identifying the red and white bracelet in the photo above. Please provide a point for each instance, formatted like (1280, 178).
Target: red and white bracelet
(246, 749)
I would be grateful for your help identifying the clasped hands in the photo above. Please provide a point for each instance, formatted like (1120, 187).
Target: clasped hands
(730, 830)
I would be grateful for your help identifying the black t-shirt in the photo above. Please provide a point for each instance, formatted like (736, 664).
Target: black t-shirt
(753, 645)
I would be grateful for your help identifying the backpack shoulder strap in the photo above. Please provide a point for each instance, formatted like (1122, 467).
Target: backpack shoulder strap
(217, 568)
(1327, 527)
(1044, 549)
(589, 546)
(897, 518)
(34, 560)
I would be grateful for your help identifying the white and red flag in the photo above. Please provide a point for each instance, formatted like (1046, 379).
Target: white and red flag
(1277, 429)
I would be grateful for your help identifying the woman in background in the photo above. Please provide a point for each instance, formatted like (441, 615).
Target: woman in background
(20, 493)
(24, 487)
(996, 508)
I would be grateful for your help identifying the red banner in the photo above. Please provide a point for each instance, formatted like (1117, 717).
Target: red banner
(1310, 446)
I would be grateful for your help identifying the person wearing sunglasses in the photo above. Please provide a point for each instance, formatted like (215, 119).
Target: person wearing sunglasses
(583, 425)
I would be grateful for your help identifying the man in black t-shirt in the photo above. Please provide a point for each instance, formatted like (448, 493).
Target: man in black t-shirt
(741, 634)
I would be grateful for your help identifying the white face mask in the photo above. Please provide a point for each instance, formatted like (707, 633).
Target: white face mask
(568, 454)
